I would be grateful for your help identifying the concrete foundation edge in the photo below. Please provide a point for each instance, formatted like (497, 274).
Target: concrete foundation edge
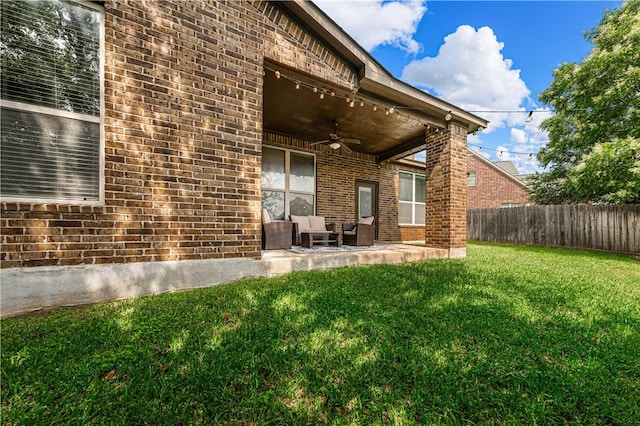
(25, 290)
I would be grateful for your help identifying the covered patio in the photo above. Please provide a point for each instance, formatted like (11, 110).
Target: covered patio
(353, 122)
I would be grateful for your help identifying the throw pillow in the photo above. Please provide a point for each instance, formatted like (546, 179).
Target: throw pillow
(367, 220)
(265, 216)
(316, 223)
(302, 221)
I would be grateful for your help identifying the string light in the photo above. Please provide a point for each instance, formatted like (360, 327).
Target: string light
(392, 109)
(501, 152)
(529, 117)
(350, 99)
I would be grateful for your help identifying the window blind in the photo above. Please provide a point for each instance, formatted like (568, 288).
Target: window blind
(51, 97)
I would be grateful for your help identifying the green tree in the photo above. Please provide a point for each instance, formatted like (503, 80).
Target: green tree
(593, 154)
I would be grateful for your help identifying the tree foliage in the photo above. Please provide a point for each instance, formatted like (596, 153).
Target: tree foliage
(593, 154)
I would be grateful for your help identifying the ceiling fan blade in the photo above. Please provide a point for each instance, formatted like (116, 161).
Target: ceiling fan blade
(319, 142)
(353, 141)
(346, 148)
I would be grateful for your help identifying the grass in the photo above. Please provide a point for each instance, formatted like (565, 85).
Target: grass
(509, 335)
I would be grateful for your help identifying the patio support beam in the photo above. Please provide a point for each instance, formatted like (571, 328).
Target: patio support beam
(403, 150)
(446, 192)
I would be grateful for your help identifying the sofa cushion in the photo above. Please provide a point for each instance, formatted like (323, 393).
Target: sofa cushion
(367, 220)
(352, 232)
(265, 216)
(316, 223)
(303, 223)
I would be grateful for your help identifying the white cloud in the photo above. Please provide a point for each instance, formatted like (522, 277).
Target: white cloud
(374, 23)
(471, 72)
(519, 135)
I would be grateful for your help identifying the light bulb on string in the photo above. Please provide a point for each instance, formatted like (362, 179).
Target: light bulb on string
(529, 117)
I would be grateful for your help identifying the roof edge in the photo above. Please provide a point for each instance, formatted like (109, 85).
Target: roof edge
(372, 75)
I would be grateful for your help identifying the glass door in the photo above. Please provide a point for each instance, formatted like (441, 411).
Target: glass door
(367, 201)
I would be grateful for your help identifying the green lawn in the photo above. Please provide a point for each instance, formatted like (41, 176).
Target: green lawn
(509, 335)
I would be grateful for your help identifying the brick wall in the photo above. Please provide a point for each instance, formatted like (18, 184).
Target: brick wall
(493, 188)
(447, 188)
(183, 135)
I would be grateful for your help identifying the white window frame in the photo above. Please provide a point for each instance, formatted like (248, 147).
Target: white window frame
(413, 203)
(287, 175)
(472, 179)
(21, 106)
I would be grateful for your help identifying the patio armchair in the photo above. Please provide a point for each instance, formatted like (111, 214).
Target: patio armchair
(275, 234)
(359, 234)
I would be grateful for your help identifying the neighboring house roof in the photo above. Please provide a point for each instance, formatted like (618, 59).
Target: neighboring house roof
(504, 167)
(374, 85)
(508, 167)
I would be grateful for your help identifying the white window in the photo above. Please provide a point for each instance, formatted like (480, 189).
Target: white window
(472, 179)
(411, 206)
(288, 183)
(51, 101)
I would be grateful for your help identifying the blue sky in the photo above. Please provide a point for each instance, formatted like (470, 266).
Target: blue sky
(479, 55)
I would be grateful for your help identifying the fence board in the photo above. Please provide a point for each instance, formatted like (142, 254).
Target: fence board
(608, 228)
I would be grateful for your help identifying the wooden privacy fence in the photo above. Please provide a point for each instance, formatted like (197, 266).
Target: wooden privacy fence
(602, 227)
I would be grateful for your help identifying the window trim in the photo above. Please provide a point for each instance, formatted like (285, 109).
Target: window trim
(475, 178)
(287, 173)
(413, 202)
(100, 120)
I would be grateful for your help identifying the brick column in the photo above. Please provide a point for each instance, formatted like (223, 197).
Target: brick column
(446, 198)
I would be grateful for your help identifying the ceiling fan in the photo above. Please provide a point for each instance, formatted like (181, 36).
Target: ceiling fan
(336, 141)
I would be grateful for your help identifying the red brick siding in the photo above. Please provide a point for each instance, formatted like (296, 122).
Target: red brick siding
(183, 135)
(493, 187)
(447, 188)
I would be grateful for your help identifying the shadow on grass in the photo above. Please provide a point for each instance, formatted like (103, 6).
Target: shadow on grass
(433, 342)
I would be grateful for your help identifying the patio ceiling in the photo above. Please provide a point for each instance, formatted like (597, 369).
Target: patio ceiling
(301, 113)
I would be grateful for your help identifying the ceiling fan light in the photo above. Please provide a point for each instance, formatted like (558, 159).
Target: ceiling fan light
(334, 145)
